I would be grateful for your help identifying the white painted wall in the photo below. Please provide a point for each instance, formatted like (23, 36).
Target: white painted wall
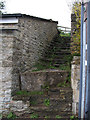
(9, 20)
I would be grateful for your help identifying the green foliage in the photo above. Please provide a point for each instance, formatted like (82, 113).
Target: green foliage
(41, 65)
(62, 84)
(69, 59)
(64, 67)
(33, 115)
(75, 45)
(58, 117)
(33, 102)
(11, 116)
(47, 102)
(46, 117)
(63, 34)
(76, 54)
(1, 116)
(45, 87)
(67, 82)
(21, 93)
(73, 117)
(29, 93)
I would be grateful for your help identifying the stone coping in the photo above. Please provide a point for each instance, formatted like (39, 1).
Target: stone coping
(24, 15)
(45, 70)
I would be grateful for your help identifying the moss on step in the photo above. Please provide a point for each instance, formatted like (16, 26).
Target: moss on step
(29, 93)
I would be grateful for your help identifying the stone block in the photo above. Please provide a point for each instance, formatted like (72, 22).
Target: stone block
(19, 105)
(7, 99)
(32, 81)
(6, 74)
(74, 108)
(75, 83)
(8, 92)
(75, 95)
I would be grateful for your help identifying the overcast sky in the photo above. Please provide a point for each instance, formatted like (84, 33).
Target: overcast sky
(56, 10)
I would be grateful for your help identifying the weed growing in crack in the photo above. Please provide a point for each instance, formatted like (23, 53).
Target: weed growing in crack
(47, 102)
(58, 117)
(33, 115)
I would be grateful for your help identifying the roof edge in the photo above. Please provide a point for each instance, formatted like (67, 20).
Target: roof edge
(25, 15)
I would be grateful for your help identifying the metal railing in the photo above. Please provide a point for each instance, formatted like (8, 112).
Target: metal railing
(64, 29)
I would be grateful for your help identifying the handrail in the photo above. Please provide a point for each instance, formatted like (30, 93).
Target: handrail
(64, 29)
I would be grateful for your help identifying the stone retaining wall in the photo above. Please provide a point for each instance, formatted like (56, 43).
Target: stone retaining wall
(21, 45)
(32, 38)
(35, 81)
(75, 81)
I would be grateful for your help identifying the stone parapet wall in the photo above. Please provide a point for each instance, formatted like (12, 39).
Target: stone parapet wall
(35, 81)
(34, 36)
(75, 81)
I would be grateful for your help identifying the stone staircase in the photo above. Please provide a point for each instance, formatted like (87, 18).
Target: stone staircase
(54, 103)
(57, 102)
(52, 82)
(58, 52)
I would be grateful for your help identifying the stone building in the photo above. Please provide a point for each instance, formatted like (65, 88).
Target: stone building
(23, 40)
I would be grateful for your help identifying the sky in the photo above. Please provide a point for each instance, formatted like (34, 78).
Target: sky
(56, 10)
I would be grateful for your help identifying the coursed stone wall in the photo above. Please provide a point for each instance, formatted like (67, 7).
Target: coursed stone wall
(6, 53)
(32, 38)
(21, 45)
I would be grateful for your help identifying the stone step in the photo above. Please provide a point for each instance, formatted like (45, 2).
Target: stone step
(58, 107)
(52, 95)
(56, 65)
(59, 46)
(66, 91)
(60, 40)
(58, 53)
(56, 62)
(62, 60)
(48, 114)
(60, 43)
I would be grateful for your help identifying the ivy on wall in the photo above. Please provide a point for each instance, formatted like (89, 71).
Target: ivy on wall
(75, 32)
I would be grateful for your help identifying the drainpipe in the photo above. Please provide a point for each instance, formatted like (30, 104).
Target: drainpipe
(88, 57)
(81, 60)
